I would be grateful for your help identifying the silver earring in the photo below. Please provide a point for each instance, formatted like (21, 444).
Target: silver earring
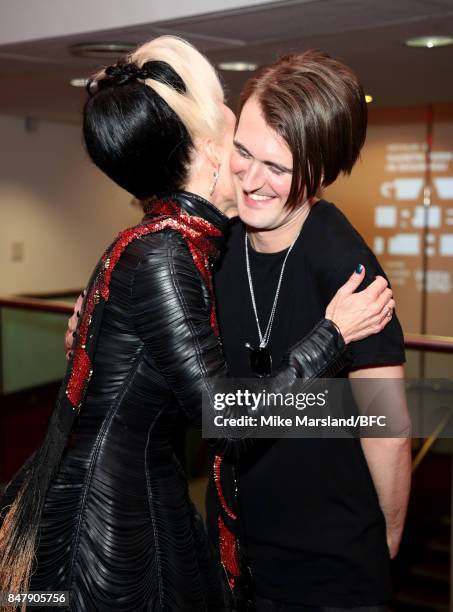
(214, 183)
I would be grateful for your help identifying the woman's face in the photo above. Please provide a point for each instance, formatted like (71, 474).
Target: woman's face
(262, 163)
(228, 190)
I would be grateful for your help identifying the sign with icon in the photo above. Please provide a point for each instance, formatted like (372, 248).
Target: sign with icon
(407, 221)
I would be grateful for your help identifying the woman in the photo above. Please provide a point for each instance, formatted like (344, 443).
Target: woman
(108, 510)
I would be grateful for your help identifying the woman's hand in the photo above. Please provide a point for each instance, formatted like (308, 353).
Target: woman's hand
(72, 326)
(359, 315)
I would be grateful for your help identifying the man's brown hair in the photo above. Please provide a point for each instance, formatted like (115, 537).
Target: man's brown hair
(317, 105)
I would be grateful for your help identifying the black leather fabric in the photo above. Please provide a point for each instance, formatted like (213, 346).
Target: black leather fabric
(118, 529)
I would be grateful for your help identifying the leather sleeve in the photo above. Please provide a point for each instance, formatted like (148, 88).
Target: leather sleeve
(171, 311)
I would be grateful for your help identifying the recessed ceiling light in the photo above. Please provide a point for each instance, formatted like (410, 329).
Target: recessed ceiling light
(368, 99)
(429, 42)
(238, 66)
(78, 82)
(101, 49)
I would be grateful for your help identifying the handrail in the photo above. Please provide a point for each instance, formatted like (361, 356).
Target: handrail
(436, 344)
(51, 295)
(427, 342)
(37, 305)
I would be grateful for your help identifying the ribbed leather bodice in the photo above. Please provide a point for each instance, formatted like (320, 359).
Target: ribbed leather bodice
(118, 530)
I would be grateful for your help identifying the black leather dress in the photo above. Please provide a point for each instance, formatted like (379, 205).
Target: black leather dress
(118, 529)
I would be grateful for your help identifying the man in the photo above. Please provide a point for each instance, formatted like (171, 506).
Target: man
(320, 518)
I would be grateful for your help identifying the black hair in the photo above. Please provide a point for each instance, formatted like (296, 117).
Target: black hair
(132, 134)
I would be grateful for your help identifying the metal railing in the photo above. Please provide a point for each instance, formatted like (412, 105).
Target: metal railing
(435, 344)
(418, 342)
(38, 305)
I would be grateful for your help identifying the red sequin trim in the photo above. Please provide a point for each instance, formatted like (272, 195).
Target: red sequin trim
(228, 542)
(217, 479)
(196, 231)
(229, 552)
(81, 368)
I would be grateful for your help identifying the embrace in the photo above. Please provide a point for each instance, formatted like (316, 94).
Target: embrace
(288, 291)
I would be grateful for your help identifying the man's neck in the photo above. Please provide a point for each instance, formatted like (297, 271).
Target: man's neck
(280, 238)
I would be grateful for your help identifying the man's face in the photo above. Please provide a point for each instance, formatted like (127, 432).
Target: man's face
(262, 163)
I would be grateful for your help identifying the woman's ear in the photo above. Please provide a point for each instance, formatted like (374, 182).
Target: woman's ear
(212, 153)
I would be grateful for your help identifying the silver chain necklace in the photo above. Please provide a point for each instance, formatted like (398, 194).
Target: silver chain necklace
(264, 338)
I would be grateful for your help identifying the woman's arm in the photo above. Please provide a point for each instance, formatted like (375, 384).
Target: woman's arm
(171, 311)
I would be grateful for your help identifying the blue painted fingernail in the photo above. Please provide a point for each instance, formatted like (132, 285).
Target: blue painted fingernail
(359, 269)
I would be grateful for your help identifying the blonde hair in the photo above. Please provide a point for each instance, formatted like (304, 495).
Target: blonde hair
(199, 107)
(149, 114)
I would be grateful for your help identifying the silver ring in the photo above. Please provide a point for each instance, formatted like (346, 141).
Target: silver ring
(389, 312)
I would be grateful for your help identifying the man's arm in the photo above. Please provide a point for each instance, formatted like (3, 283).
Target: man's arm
(388, 459)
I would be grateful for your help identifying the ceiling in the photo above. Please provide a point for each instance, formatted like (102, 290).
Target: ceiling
(366, 34)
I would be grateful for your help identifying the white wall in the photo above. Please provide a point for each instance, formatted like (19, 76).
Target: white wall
(55, 202)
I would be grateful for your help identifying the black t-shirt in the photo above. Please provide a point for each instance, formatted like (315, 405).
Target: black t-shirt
(314, 530)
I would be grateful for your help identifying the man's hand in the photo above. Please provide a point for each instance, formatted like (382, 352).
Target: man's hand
(72, 326)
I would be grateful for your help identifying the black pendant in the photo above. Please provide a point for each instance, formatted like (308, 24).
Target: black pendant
(260, 361)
